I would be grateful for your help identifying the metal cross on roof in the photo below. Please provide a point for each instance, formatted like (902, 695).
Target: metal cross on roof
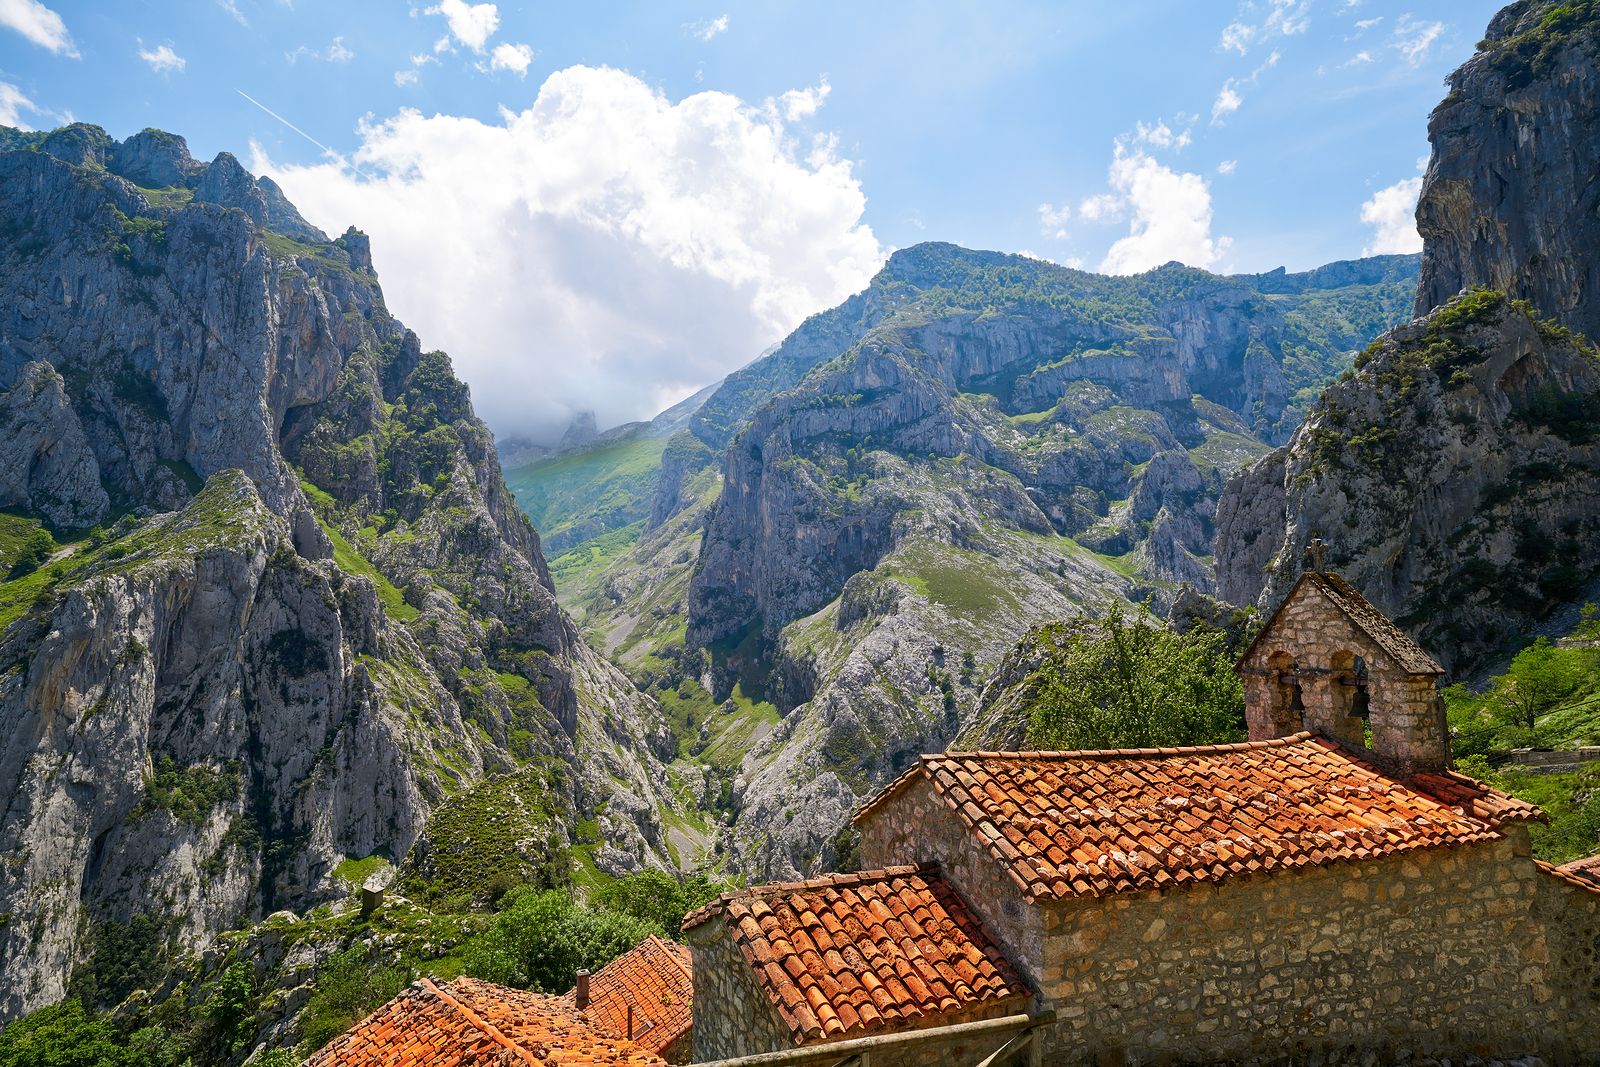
(1319, 551)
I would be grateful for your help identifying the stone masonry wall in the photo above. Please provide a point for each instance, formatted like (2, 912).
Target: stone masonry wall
(732, 1015)
(917, 827)
(1439, 952)
(1407, 726)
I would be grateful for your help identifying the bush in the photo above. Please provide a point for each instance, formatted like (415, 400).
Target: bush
(69, 1035)
(1124, 682)
(349, 985)
(657, 897)
(542, 939)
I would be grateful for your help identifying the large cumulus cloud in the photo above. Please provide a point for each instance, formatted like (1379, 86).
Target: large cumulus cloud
(606, 248)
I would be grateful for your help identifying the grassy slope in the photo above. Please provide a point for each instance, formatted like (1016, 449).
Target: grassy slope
(589, 505)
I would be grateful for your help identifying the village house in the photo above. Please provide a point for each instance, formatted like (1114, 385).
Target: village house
(468, 1023)
(644, 995)
(1328, 887)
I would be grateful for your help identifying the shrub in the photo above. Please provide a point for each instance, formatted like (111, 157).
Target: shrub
(542, 939)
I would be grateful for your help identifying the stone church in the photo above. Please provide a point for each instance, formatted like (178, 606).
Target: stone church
(1328, 888)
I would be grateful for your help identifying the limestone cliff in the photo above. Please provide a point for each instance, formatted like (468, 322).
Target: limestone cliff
(859, 524)
(1452, 476)
(1509, 200)
(213, 697)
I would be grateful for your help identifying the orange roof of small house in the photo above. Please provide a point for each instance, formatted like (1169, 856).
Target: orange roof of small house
(1584, 873)
(1075, 824)
(852, 954)
(470, 1023)
(655, 979)
(1407, 654)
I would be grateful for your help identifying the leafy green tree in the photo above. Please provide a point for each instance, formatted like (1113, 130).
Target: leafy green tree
(1130, 682)
(541, 939)
(657, 897)
(1541, 677)
(348, 987)
(69, 1035)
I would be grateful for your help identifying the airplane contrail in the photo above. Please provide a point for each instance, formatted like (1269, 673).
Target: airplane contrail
(287, 123)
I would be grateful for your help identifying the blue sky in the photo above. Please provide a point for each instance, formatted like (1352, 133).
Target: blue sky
(756, 161)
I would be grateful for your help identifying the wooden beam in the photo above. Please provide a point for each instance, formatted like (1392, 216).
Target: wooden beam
(1004, 1053)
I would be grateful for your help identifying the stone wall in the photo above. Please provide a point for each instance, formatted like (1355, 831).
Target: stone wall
(1312, 639)
(1440, 952)
(917, 827)
(732, 1015)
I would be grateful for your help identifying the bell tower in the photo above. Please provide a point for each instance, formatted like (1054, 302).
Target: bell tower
(1330, 662)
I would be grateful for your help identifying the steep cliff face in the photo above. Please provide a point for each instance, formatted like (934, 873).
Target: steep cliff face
(215, 696)
(1509, 200)
(855, 527)
(1453, 478)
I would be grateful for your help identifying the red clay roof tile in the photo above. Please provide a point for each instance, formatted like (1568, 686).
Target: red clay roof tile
(1584, 873)
(655, 978)
(1097, 822)
(846, 955)
(470, 1023)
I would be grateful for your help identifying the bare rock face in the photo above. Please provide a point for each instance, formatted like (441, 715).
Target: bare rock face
(1455, 478)
(1509, 200)
(219, 694)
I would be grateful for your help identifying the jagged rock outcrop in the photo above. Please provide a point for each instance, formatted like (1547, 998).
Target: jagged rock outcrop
(1509, 200)
(218, 695)
(975, 443)
(1455, 478)
(1452, 476)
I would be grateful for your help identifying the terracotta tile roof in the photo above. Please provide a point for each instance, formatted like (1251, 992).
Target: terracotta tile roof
(853, 954)
(656, 979)
(1409, 655)
(1091, 823)
(469, 1023)
(1584, 873)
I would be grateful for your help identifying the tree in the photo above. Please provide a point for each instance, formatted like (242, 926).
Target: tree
(657, 897)
(1540, 677)
(1121, 682)
(541, 939)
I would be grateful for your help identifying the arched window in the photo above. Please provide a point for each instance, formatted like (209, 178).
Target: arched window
(1288, 703)
(1351, 684)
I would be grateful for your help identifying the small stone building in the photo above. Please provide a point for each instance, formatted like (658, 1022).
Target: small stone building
(1326, 890)
(645, 995)
(845, 956)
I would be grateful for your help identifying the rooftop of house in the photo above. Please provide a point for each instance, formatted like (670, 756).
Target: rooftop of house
(851, 954)
(1584, 872)
(1086, 824)
(471, 1023)
(655, 979)
(1407, 654)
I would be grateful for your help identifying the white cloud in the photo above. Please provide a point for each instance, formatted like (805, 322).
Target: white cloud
(1392, 214)
(516, 58)
(1236, 37)
(1414, 38)
(800, 104)
(38, 24)
(410, 76)
(1161, 136)
(1363, 25)
(1227, 102)
(162, 59)
(1053, 220)
(710, 28)
(602, 248)
(1171, 216)
(1289, 17)
(1227, 166)
(232, 8)
(1102, 207)
(1359, 59)
(334, 53)
(471, 24)
(12, 104)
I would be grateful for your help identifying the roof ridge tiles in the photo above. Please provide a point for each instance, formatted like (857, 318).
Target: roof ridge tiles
(822, 881)
(481, 1023)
